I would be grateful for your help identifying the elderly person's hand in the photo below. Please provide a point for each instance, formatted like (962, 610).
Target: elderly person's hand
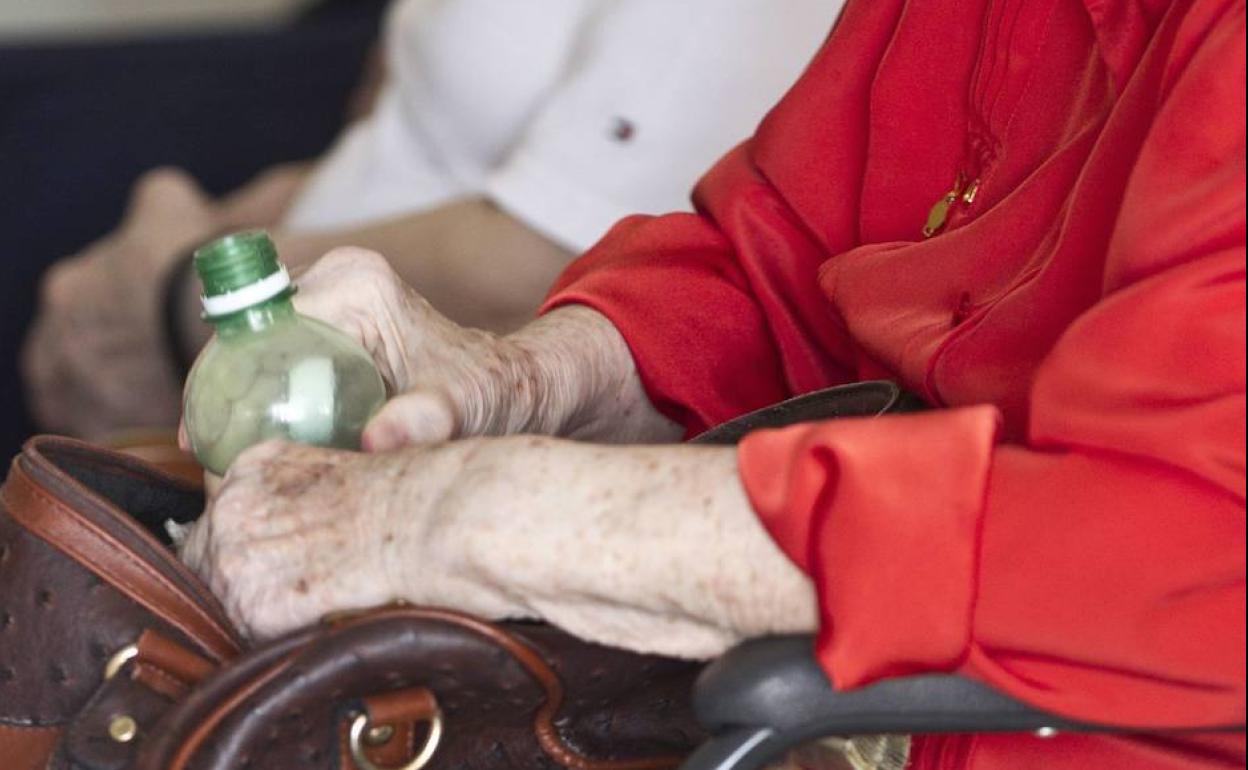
(95, 361)
(652, 549)
(568, 374)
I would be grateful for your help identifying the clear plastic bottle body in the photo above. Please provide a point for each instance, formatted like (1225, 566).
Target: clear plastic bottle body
(270, 373)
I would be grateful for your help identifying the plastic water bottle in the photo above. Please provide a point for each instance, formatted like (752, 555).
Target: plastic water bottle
(268, 371)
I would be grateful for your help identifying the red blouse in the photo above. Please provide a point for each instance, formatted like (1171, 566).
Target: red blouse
(1071, 527)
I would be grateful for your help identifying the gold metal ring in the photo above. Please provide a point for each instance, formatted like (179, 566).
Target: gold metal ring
(118, 662)
(360, 726)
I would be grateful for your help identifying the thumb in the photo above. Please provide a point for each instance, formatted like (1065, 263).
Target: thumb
(414, 418)
(168, 190)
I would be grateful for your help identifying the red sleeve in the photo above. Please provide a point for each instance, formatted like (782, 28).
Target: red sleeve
(1098, 570)
(722, 310)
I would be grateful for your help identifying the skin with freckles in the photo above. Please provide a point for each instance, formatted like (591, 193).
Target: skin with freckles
(652, 548)
(569, 373)
(665, 558)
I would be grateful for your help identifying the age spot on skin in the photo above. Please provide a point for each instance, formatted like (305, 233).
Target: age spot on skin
(302, 587)
(296, 482)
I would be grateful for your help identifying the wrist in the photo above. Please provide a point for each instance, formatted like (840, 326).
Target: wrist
(569, 373)
(406, 483)
(429, 558)
(538, 401)
(526, 383)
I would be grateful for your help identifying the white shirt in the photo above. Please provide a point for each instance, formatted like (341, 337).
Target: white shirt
(569, 114)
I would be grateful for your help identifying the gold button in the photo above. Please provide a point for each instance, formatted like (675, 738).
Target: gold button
(123, 729)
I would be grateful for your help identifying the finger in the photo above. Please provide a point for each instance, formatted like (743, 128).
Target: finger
(195, 548)
(347, 280)
(166, 190)
(416, 418)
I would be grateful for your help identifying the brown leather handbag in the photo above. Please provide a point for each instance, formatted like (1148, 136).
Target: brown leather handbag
(114, 657)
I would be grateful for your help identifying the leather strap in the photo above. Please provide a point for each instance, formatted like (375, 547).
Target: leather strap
(201, 734)
(64, 528)
(544, 724)
(27, 748)
(395, 752)
(406, 712)
(195, 718)
(415, 705)
(173, 659)
(391, 621)
(302, 657)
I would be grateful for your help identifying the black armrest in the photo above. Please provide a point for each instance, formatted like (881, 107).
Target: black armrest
(863, 399)
(770, 696)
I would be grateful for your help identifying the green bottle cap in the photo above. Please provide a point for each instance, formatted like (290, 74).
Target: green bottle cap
(239, 271)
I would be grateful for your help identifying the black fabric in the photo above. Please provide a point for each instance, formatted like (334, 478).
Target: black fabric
(860, 399)
(80, 122)
(149, 502)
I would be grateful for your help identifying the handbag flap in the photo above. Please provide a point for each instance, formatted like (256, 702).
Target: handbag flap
(101, 509)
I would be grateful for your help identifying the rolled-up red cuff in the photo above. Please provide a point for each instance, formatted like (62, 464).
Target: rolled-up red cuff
(885, 516)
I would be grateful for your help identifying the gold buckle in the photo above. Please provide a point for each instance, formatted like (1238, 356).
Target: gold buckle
(360, 727)
(118, 661)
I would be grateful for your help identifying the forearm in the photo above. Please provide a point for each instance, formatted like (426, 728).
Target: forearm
(653, 549)
(474, 262)
(264, 201)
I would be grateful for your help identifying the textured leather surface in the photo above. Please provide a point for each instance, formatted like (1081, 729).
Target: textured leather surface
(84, 573)
(86, 744)
(618, 710)
(59, 621)
(101, 510)
(59, 625)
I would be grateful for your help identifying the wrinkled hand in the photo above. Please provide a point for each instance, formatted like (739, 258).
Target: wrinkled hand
(296, 532)
(569, 373)
(451, 381)
(95, 360)
(636, 547)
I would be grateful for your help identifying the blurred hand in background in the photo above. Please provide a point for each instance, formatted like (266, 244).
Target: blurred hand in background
(96, 358)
